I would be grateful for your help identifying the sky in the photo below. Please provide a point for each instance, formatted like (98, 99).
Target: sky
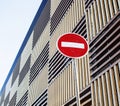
(16, 17)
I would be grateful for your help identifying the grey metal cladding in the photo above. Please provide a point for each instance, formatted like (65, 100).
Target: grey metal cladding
(42, 100)
(24, 70)
(7, 99)
(105, 48)
(23, 100)
(13, 100)
(39, 63)
(41, 23)
(15, 71)
(59, 13)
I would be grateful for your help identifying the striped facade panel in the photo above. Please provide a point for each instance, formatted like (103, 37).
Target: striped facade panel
(106, 88)
(26, 52)
(25, 70)
(67, 24)
(7, 100)
(8, 86)
(15, 71)
(39, 84)
(23, 101)
(63, 87)
(13, 100)
(23, 87)
(54, 7)
(99, 14)
(39, 64)
(104, 49)
(42, 99)
(41, 23)
(59, 13)
(14, 88)
(40, 44)
(83, 72)
(2, 97)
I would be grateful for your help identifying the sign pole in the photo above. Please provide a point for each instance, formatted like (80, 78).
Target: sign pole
(76, 81)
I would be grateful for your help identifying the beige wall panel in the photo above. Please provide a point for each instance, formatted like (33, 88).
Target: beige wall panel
(38, 85)
(54, 5)
(42, 41)
(61, 88)
(87, 25)
(26, 52)
(96, 93)
(103, 12)
(14, 88)
(109, 89)
(107, 10)
(96, 16)
(99, 14)
(88, 68)
(113, 85)
(23, 87)
(93, 94)
(51, 95)
(93, 21)
(83, 72)
(111, 8)
(8, 86)
(100, 91)
(104, 87)
(115, 6)
(90, 24)
(117, 79)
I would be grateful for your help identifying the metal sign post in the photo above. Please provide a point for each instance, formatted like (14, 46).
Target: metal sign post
(76, 81)
(73, 45)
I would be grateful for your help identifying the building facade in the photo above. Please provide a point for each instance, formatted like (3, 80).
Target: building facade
(41, 76)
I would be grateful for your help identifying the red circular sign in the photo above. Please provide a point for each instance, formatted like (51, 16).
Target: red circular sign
(72, 45)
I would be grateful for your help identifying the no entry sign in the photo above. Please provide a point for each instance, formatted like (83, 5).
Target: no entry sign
(72, 45)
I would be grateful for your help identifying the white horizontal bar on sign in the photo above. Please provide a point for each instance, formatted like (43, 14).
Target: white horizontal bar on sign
(72, 45)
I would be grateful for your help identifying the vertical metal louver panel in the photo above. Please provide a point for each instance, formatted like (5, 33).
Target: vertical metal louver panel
(39, 63)
(56, 64)
(42, 100)
(16, 71)
(7, 99)
(13, 100)
(87, 3)
(2, 97)
(104, 49)
(59, 13)
(23, 100)
(80, 28)
(24, 70)
(42, 22)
